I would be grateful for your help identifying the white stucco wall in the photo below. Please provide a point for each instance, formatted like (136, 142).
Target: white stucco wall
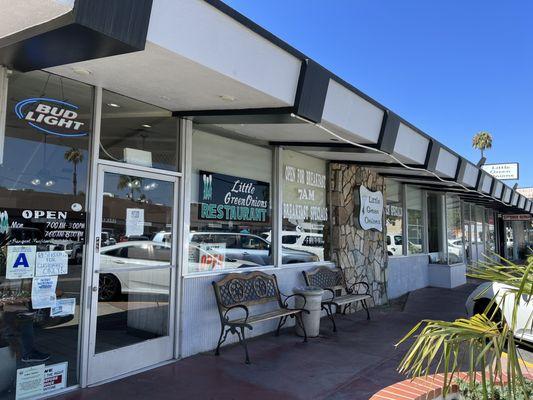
(407, 273)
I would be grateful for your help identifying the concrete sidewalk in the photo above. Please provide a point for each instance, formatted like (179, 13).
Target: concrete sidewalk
(353, 363)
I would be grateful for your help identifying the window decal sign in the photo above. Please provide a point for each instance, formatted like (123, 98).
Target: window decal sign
(370, 209)
(304, 195)
(23, 226)
(232, 198)
(51, 116)
(20, 262)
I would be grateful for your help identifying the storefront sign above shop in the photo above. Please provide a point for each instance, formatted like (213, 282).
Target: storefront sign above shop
(51, 116)
(370, 209)
(232, 198)
(507, 171)
(517, 217)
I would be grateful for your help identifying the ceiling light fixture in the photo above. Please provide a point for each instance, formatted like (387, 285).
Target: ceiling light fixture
(146, 126)
(81, 71)
(114, 105)
(227, 97)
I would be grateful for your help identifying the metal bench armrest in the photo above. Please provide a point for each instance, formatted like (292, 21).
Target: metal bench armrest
(332, 294)
(285, 303)
(350, 289)
(241, 306)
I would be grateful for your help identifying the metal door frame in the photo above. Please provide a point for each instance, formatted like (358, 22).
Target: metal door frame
(115, 363)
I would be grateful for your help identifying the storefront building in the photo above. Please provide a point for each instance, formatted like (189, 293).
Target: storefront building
(140, 162)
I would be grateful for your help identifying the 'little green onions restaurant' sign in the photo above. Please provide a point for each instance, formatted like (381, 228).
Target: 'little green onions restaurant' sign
(231, 198)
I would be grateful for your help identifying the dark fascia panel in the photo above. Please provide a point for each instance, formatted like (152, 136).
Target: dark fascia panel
(312, 90)
(461, 171)
(480, 178)
(433, 156)
(389, 132)
(507, 189)
(493, 189)
(93, 29)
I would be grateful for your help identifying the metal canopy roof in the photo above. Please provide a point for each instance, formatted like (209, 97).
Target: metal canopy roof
(282, 97)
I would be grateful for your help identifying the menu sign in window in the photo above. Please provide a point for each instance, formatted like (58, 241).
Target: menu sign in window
(233, 198)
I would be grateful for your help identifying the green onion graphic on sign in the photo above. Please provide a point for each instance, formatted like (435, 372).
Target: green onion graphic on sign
(232, 198)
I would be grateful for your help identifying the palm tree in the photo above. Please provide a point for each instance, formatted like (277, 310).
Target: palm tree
(132, 183)
(481, 340)
(75, 156)
(482, 141)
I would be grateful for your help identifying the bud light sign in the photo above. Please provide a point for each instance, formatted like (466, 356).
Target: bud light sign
(51, 116)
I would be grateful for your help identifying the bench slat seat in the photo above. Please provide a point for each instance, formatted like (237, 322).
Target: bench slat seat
(348, 299)
(236, 293)
(338, 293)
(264, 317)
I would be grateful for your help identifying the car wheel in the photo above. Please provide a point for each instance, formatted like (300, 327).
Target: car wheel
(109, 287)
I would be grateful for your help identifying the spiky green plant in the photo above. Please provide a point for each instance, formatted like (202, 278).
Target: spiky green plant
(481, 340)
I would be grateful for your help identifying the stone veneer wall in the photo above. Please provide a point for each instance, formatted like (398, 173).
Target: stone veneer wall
(362, 254)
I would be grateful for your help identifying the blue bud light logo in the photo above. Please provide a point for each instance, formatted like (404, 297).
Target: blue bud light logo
(51, 116)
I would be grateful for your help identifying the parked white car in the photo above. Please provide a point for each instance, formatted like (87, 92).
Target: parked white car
(394, 244)
(306, 241)
(142, 267)
(480, 298)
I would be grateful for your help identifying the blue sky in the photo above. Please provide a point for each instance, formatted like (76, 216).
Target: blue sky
(450, 67)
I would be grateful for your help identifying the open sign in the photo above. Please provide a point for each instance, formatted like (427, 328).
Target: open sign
(51, 116)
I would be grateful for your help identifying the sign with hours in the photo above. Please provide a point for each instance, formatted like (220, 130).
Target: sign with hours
(304, 195)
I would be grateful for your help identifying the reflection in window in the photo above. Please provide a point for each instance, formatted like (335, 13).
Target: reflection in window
(44, 168)
(490, 235)
(230, 220)
(394, 214)
(454, 230)
(304, 205)
(415, 221)
(137, 133)
(436, 228)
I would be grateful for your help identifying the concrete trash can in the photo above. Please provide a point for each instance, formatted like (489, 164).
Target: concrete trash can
(313, 296)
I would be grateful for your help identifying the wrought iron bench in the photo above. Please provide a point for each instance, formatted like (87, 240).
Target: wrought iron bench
(340, 295)
(243, 290)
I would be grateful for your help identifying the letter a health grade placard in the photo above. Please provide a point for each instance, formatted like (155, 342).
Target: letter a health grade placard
(20, 262)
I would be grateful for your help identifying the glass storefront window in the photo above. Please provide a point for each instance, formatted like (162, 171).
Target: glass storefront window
(479, 214)
(437, 247)
(415, 221)
(394, 215)
(137, 133)
(231, 196)
(454, 231)
(490, 235)
(304, 207)
(43, 186)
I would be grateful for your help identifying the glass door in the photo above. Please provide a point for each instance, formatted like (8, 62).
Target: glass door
(132, 307)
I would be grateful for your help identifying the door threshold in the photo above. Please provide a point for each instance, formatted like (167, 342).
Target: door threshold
(138, 371)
